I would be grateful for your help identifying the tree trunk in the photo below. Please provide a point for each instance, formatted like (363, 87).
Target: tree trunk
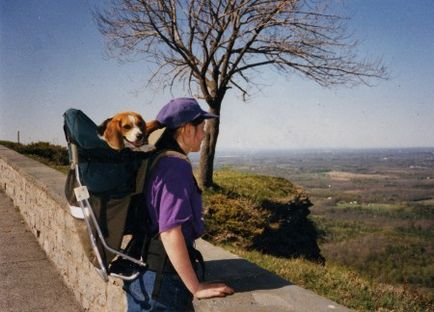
(207, 153)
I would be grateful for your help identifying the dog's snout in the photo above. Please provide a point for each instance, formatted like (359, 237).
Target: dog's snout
(140, 136)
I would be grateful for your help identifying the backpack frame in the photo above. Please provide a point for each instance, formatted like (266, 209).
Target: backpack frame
(104, 189)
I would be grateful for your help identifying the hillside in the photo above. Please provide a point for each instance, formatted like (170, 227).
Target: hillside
(261, 213)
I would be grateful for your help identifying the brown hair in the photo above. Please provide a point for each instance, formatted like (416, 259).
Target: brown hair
(168, 138)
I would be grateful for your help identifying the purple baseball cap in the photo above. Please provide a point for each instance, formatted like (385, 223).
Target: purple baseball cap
(176, 113)
(180, 111)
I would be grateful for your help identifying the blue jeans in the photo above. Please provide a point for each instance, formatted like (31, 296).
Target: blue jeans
(173, 295)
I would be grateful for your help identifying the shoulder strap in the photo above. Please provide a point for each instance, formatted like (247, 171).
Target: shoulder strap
(149, 164)
(166, 153)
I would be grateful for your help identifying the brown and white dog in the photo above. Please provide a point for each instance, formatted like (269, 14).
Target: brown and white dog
(127, 130)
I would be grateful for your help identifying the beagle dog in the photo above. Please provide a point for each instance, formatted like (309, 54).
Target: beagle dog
(127, 130)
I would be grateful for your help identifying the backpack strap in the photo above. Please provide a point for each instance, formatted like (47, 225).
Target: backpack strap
(148, 164)
(159, 262)
(166, 153)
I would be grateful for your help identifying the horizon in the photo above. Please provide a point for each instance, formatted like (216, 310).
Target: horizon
(250, 149)
(53, 58)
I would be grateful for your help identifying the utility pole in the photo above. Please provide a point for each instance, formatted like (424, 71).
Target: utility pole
(18, 136)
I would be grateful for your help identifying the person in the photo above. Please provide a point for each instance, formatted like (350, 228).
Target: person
(174, 206)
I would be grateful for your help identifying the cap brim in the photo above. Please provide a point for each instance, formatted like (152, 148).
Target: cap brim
(155, 136)
(207, 115)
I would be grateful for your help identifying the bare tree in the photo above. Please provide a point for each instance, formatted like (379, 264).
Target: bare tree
(213, 45)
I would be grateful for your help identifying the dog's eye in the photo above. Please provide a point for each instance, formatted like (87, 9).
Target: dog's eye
(126, 127)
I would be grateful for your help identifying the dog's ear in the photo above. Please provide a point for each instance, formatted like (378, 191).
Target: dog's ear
(153, 125)
(113, 135)
(109, 130)
(101, 128)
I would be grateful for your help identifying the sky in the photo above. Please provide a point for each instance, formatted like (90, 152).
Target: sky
(52, 58)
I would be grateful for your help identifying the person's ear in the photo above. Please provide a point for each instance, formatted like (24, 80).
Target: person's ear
(186, 130)
(193, 130)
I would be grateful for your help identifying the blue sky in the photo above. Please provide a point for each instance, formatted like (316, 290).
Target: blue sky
(53, 58)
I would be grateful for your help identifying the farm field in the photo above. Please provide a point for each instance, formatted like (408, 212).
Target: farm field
(374, 208)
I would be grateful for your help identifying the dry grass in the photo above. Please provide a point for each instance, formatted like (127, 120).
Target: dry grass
(348, 176)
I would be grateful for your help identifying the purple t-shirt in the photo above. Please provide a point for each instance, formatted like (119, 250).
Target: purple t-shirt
(173, 198)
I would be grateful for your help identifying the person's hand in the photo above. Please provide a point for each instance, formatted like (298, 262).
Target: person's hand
(206, 291)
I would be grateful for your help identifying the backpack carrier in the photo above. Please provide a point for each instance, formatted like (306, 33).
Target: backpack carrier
(105, 189)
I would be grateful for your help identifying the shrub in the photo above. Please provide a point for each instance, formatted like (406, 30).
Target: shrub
(53, 154)
(261, 213)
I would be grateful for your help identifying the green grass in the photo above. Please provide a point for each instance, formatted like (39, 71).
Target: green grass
(341, 284)
(404, 210)
(425, 232)
(257, 188)
(387, 258)
(379, 209)
(338, 230)
(392, 244)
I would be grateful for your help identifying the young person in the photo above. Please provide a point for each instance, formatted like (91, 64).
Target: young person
(174, 206)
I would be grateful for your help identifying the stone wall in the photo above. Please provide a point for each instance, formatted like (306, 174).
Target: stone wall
(38, 192)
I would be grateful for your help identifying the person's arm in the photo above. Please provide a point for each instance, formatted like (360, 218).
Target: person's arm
(174, 244)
